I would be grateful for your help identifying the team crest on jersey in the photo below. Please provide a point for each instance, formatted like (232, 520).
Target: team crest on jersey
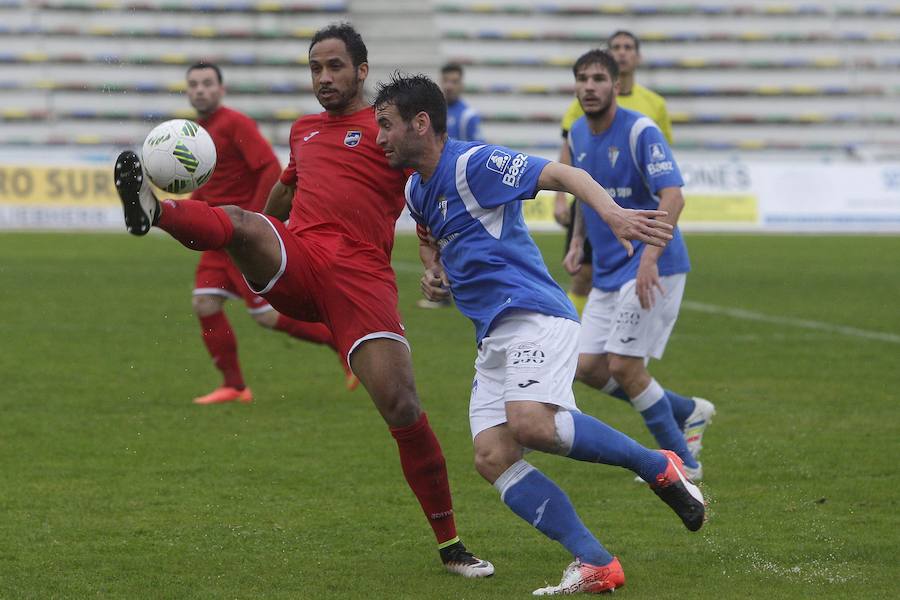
(657, 153)
(352, 138)
(442, 205)
(498, 161)
(613, 154)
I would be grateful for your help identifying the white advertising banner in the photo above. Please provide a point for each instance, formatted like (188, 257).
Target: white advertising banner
(59, 188)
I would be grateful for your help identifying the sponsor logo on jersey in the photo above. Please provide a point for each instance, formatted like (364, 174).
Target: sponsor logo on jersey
(516, 170)
(658, 168)
(622, 192)
(613, 154)
(498, 161)
(312, 134)
(352, 138)
(656, 152)
(581, 156)
(442, 204)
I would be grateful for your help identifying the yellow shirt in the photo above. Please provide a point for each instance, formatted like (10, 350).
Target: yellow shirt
(640, 99)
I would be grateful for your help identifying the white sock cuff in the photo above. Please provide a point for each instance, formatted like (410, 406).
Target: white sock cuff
(611, 386)
(650, 396)
(512, 476)
(565, 430)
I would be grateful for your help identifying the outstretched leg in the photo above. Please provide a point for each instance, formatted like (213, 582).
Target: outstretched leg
(384, 368)
(248, 237)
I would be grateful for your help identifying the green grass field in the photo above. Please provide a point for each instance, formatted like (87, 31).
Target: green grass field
(115, 486)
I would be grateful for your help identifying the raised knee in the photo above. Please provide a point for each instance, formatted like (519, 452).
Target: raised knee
(621, 369)
(492, 462)
(205, 306)
(267, 319)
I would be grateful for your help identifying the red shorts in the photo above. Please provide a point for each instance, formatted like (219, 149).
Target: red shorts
(346, 284)
(217, 276)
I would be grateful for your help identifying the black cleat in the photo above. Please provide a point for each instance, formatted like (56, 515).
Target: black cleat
(680, 493)
(138, 201)
(458, 560)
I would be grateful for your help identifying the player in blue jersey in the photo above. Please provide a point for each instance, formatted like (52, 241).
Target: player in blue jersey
(463, 121)
(468, 196)
(634, 303)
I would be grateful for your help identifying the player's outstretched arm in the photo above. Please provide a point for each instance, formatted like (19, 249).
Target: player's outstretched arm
(279, 203)
(626, 224)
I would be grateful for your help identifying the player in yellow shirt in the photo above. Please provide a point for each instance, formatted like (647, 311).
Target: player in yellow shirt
(625, 47)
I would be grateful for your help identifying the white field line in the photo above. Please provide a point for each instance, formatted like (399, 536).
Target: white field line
(747, 315)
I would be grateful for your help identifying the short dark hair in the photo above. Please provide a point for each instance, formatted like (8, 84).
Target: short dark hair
(452, 68)
(634, 38)
(596, 56)
(347, 34)
(206, 65)
(412, 94)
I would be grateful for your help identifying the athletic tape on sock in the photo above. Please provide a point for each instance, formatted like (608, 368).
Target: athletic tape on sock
(565, 430)
(650, 396)
(611, 386)
(512, 476)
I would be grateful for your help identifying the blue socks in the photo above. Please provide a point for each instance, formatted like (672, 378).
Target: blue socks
(653, 404)
(681, 407)
(591, 440)
(535, 498)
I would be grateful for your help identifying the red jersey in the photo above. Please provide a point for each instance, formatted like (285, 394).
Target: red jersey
(343, 181)
(245, 162)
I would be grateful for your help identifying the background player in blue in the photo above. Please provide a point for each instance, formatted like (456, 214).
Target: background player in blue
(463, 121)
(635, 298)
(469, 197)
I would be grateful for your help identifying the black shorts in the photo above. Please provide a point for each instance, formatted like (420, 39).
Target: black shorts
(588, 251)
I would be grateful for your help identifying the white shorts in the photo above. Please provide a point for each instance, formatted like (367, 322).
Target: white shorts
(615, 322)
(526, 356)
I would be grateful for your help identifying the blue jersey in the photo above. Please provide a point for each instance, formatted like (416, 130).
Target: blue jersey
(473, 206)
(632, 161)
(463, 122)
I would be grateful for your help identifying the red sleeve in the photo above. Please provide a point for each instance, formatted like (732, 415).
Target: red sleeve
(258, 155)
(289, 175)
(254, 148)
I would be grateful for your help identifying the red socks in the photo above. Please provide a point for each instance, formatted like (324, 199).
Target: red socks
(426, 473)
(222, 346)
(196, 224)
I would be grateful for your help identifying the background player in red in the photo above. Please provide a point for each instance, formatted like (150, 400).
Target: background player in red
(332, 263)
(246, 169)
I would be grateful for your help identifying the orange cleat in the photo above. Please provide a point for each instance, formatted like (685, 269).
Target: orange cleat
(226, 394)
(581, 577)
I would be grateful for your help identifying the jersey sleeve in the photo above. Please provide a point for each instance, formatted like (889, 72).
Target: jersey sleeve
(254, 148)
(572, 114)
(655, 160)
(408, 193)
(473, 129)
(496, 175)
(664, 121)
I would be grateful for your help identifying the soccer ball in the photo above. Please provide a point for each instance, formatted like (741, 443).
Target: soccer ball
(178, 156)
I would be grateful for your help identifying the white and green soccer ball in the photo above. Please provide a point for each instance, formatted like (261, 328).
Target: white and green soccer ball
(178, 156)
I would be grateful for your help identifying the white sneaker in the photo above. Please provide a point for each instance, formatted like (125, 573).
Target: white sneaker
(138, 201)
(696, 424)
(584, 578)
(460, 561)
